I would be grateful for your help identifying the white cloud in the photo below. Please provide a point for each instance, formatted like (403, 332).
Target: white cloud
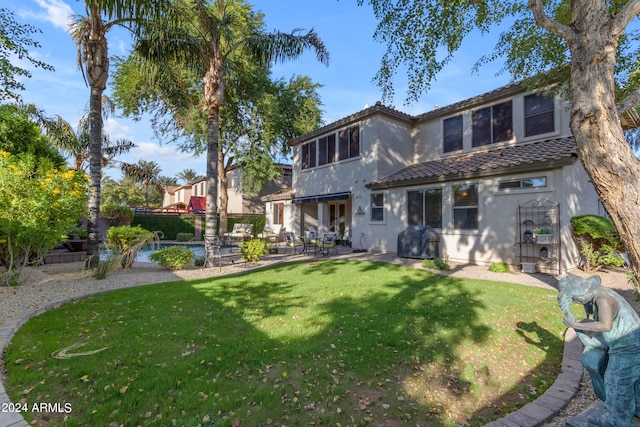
(56, 12)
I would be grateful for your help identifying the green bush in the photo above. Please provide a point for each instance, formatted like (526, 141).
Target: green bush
(436, 264)
(125, 242)
(598, 241)
(39, 204)
(172, 257)
(499, 267)
(169, 225)
(117, 215)
(253, 250)
(185, 237)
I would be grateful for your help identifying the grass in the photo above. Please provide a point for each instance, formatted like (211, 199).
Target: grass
(327, 343)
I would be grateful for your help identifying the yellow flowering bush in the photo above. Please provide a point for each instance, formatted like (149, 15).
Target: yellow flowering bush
(38, 206)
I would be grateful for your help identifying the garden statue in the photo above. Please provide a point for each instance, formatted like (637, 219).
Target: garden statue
(611, 347)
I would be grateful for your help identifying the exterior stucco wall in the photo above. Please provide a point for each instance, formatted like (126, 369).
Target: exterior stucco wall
(428, 133)
(496, 236)
(385, 146)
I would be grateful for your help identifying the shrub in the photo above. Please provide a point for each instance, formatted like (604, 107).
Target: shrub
(169, 225)
(172, 257)
(39, 204)
(499, 267)
(436, 264)
(117, 215)
(253, 250)
(126, 241)
(598, 241)
(185, 237)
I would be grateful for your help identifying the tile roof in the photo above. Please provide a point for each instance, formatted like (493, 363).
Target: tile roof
(513, 158)
(377, 108)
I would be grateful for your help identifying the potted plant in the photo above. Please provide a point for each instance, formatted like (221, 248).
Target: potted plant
(543, 236)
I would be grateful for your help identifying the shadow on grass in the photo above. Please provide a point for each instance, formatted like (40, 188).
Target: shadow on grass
(322, 342)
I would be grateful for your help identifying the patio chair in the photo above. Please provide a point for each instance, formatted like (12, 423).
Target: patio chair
(240, 232)
(293, 242)
(271, 232)
(212, 250)
(327, 243)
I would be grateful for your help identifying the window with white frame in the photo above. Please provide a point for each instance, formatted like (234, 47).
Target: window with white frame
(424, 207)
(377, 207)
(465, 206)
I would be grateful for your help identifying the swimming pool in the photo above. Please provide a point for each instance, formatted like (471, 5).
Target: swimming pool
(143, 255)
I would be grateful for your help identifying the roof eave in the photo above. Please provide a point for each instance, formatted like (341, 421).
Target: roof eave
(478, 173)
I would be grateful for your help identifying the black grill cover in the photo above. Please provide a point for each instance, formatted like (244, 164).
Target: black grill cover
(419, 241)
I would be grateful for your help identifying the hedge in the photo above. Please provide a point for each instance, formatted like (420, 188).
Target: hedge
(170, 226)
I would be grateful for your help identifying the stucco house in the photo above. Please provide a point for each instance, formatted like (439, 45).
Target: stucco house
(470, 170)
(190, 196)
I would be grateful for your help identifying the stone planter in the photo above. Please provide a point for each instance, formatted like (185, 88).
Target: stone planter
(528, 267)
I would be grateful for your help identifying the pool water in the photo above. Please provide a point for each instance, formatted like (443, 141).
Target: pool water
(143, 255)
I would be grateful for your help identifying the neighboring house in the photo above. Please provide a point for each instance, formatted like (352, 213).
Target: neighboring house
(465, 169)
(189, 197)
(279, 209)
(176, 198)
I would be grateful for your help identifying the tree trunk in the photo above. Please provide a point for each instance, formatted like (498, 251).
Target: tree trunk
(224, 194)
(96, 61)
(213, 142)
(602, 147)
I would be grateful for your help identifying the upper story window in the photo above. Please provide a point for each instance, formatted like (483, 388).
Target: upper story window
(492, 124)
(349, 143)
(327, 149)
(538, 114)
(309, 155)
(452, 134)
(331, 148)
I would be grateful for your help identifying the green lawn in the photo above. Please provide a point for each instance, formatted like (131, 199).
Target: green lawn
(330, 342)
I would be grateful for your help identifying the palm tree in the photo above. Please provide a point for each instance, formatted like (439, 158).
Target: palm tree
(208, 38)
(75, 143)
(89, 34)
(146, 173)
(187, 175)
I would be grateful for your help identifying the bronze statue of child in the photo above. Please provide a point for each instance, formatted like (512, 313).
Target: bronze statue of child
(611, 346)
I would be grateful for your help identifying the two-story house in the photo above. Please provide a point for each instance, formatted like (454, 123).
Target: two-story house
(193, 194)
(469, 170)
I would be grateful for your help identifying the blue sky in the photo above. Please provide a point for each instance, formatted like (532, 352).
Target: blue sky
(346, 29)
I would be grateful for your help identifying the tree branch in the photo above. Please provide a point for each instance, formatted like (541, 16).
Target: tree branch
(543, 20)
(629, 102)
(626, 14)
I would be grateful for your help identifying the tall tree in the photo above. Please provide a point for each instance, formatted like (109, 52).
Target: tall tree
(207, 39)
(20, 133)
(75, 143)
(146, 173)
(15, 41)
(89, 34)
(187, 175)
(585, 44)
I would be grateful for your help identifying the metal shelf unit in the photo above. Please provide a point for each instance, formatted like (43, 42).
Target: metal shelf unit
(538, 243)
